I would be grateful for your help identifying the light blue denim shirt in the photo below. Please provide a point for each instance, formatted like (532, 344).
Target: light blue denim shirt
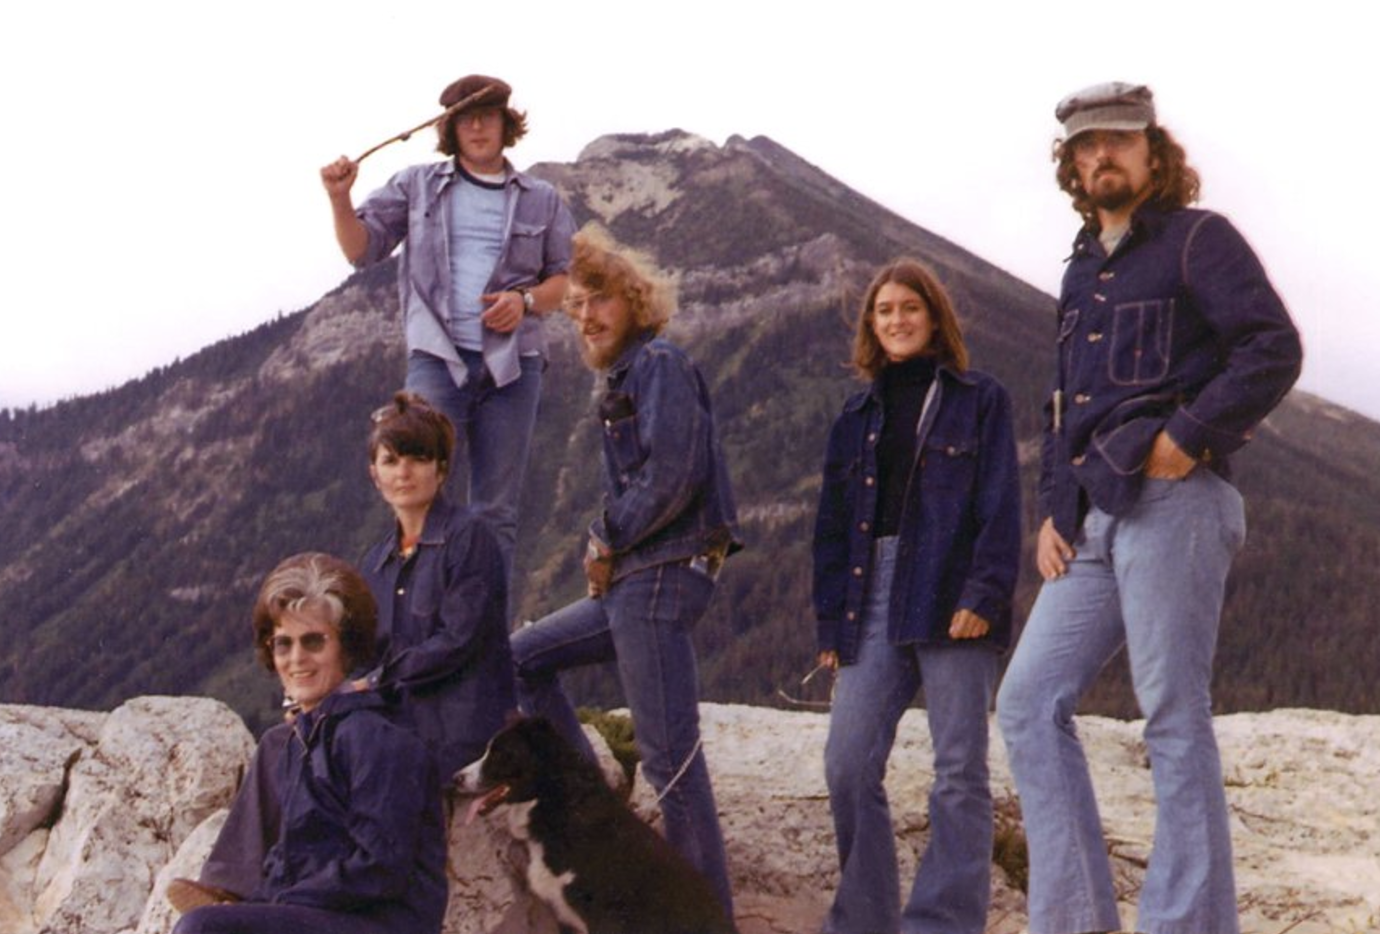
(536, 246)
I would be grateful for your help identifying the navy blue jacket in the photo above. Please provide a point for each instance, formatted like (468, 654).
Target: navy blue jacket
(667, 493)
(443, 634)
(960, 533)
(362, 827)
(1179, 329)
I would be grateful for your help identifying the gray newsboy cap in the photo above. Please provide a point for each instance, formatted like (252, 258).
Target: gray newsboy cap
(1115, 105)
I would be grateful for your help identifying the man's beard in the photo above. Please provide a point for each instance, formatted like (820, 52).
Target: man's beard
(1114, 196)
(603, 359)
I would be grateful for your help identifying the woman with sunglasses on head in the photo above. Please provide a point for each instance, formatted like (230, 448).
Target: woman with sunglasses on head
(915, 558)
(361, 844)
(442, 591)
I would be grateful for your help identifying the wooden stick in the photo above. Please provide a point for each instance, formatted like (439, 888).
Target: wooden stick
(406, 134)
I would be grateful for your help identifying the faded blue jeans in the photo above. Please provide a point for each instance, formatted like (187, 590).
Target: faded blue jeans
(953, 882)
(1152, 581)
(493, 429)
(645, 622)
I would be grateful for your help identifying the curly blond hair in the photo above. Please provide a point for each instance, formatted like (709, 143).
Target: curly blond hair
(600, 264)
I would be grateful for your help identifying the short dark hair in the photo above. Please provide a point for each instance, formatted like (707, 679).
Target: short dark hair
(411, 427)
(514, 129)
(1173, 182)
(947, 343)
(318, 580)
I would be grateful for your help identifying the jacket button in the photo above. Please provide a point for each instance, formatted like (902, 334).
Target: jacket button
(851, 616)
(868, 481)
(1094, 337)
(857, 572)
(1081, 398)
(1106, 275)
(1078, 461)
(1099, 297)
(402, 591)
(864, 526)
(871, 437)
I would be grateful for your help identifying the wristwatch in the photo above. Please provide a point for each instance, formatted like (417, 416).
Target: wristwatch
(529, 301)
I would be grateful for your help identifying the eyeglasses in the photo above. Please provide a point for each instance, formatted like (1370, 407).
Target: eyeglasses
(804, 683)
(574, 304)
(313, 643)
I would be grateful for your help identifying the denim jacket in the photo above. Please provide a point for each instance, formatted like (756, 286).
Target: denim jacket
(667, 493)
(1177, 330)
(960, 534)
(443, 634)
(362, 825)
(536, 246)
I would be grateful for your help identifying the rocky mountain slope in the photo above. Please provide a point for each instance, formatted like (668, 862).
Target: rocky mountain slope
(134, 524)
(99, 811)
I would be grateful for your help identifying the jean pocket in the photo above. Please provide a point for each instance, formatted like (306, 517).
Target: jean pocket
(1142, 333)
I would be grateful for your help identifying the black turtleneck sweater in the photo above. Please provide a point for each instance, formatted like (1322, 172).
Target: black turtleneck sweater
(903, 387)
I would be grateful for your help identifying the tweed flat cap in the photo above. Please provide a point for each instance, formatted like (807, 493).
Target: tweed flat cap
(1115, 105)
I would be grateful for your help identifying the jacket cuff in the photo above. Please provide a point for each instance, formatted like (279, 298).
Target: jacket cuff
(1201, 441)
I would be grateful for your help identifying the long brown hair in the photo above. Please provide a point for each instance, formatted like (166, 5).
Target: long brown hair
(1173, 182)
(947, 343)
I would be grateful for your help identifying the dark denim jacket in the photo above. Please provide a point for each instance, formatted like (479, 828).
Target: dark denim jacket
(536, 246)
(1179, 329)
(442, 633)
(666, 489)
(362, 824)
(960, 535)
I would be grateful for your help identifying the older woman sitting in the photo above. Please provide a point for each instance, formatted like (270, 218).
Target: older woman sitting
(361, 844)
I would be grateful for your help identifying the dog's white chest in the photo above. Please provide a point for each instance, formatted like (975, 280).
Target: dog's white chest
(545, 884)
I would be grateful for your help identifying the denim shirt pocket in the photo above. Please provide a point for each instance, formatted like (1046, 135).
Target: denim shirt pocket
(526, 250)
(1142, 334)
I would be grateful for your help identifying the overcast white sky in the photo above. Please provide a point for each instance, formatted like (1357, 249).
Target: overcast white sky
(159, 160)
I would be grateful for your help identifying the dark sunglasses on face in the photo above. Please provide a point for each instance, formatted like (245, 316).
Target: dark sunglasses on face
(313, 643)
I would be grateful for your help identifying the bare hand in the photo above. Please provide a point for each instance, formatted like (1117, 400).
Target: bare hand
(968, 625)
(505, 311)
(828, 660)
(1167, 461)
(598, 569)
(339, 177)
(1052, 553)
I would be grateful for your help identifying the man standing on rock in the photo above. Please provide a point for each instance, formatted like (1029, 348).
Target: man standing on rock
(654, 548)
(486, 253)
(1172, 347)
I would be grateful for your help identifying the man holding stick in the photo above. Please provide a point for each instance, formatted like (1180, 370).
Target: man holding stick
(485, 254)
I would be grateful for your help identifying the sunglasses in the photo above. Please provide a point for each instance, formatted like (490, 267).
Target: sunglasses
(313, 643)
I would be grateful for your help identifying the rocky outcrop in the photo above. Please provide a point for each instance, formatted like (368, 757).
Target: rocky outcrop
(99, 811)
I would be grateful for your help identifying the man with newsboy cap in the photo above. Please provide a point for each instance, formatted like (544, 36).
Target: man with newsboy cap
(1172, 347)
(485, 251)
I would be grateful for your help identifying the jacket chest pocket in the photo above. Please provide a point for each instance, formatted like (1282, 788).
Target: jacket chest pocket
(949, 463)
(1142, 334)
(624, 448)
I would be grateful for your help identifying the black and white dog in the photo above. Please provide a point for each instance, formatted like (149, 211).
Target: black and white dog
(599, 867)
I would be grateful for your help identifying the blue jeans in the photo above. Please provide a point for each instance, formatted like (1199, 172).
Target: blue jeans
(1152, 581)
(952, 885)
(645, 622)
(493, 429)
